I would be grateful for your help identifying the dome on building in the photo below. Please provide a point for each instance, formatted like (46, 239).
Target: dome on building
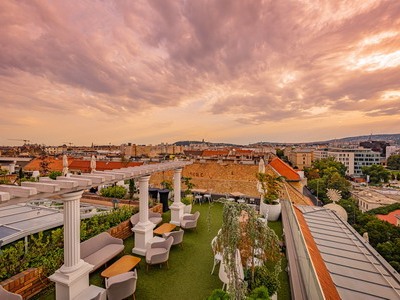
(338, 209)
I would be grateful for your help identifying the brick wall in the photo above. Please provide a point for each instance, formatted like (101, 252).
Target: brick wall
(220, 178)
(121, 231)
(27, 283)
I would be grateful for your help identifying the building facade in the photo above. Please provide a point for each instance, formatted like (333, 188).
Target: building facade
(353, 159)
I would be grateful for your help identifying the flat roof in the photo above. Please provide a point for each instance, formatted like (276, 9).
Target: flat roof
(20, 220)
(356, 268)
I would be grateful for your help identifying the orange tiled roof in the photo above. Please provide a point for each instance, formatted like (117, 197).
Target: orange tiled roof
(325, 279)
(390, 217)
(284, 169)
(211, 153)
(55, 164)
(84, 165)
(243, 152)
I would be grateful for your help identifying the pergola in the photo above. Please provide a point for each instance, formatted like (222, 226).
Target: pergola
(73, 276)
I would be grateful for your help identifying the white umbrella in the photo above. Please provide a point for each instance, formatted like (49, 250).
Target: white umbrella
(65, 165)
(93, 163)
(261, 166)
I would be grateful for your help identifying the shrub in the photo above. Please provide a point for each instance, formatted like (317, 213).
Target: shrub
(113, 192)
(45, 249)
(259, 294)
(54, 174)
(267, 276)
(218, 294)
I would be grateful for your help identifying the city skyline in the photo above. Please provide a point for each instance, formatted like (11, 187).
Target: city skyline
(236, 72)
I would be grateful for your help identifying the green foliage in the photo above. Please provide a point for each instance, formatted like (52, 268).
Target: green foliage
(247, 236)
(102, 222)
(218, 294)
(54, 174)
(259, 293)
(352, 210)
(267, 276)
(377, 174)
(393, 162)
(4, 179)
(279, 153)
(132, 188)
(384, 210)
(189, 184)
(45, 249)
(271, 185)
(327, 174)
(12, 260)
(327, 165)
(187, 200)
(167, 184)
(113, 192)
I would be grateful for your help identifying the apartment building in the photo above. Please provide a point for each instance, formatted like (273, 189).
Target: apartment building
(353, 159)
(300, 158)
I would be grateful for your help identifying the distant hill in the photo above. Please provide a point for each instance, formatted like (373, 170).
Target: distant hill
(393, 138)
(187, 143)
(374, 137)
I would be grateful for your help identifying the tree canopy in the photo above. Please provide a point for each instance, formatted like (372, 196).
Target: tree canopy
(377, 173)
(327, 174)
(393, 162)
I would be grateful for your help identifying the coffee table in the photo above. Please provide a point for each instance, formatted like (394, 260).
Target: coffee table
(164, 228)
(122, 265)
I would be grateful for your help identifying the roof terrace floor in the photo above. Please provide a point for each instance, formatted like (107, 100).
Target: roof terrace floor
(188, 276)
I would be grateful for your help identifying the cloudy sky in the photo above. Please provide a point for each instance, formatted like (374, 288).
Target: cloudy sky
(145, 72)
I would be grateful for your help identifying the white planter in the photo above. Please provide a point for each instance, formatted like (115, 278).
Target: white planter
(273, 211)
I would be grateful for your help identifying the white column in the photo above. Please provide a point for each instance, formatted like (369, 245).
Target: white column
(73, 277)
(144, 229)
(177, 207)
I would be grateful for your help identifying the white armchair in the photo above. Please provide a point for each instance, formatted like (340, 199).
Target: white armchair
(159, 252)
(177, 235)
(190, 221)
(120, 286)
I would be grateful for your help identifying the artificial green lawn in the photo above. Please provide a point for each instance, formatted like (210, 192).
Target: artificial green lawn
(188, 276)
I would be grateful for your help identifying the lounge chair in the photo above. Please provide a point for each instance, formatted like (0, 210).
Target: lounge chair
(158, 253)
(177, 235)
(120, 286)
(190, 221)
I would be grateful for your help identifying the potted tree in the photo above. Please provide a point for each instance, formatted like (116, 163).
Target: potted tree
(187, 181)
(270, 186)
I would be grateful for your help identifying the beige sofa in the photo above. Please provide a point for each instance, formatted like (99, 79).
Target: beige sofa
(99, 249)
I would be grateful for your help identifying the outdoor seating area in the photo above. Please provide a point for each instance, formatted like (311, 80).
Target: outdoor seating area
(176, 271)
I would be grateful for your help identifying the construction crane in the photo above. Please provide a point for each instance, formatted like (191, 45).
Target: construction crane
(25, 141)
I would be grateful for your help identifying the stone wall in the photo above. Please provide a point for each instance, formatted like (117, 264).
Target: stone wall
(27, 283)
(220, 178)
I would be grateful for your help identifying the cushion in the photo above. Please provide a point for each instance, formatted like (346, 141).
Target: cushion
(154, 251)
(100, 257)
(97, 242)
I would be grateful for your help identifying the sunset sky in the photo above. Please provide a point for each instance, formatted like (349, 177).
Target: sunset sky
(146, 72)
